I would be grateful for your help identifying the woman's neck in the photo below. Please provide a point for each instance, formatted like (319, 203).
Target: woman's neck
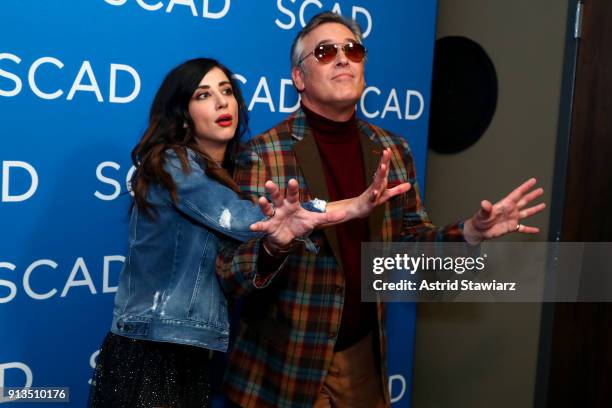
(216, 151)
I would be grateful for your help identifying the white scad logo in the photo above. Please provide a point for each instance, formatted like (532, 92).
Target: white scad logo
(413, 104)
(109, 180)
(308, 8)
(79, 276)
(211, 9)
(93, 362)
(262, 94)
(15, 366)
(85, 80)
(26, 190)
(401, 381)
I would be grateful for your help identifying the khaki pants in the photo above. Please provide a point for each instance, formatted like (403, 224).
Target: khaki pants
(353, 380)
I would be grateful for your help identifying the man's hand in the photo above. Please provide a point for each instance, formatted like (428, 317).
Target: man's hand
(376, 194)
(288, 220)
(495, 220)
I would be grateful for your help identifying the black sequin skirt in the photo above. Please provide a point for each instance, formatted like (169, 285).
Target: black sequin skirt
(145, 374)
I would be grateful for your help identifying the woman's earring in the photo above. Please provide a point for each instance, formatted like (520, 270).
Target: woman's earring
(185, 125)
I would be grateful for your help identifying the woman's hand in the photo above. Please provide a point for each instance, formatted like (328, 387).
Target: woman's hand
(288, 220)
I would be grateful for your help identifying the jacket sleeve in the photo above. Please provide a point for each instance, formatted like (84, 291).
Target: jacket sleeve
(416, 225)
(238, 269)
(211, 203)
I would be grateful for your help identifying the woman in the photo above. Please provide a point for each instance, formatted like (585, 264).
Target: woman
(169, 310)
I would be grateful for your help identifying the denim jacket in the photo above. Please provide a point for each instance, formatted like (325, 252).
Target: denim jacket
(168, 290)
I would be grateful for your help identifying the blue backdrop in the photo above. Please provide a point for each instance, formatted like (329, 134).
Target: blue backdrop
(76, 81)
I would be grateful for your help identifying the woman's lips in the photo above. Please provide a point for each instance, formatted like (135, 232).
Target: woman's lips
(224, 120)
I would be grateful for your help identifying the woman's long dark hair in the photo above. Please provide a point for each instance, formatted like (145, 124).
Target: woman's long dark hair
(167, 119)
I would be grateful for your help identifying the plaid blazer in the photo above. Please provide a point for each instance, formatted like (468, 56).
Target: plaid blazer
(290, 318)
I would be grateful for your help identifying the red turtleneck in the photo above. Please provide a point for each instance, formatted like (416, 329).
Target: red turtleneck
(340, 150)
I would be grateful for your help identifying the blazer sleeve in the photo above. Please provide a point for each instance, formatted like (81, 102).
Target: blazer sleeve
(416, 225)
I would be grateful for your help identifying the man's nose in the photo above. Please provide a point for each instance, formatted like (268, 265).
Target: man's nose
(341, 59)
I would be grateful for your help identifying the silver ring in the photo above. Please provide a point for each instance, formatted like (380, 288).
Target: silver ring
(518, 227)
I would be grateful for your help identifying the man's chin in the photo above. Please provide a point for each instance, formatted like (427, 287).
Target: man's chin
(346, 100)
(347, 94)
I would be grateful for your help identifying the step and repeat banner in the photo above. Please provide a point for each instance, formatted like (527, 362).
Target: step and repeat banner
(77, 78)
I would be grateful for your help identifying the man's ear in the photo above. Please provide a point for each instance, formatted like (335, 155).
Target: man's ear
(297, 75)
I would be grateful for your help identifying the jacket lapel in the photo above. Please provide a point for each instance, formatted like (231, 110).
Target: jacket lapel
(309, 161)
(371, 157)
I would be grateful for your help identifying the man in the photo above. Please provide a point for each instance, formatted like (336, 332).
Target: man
(305, 338)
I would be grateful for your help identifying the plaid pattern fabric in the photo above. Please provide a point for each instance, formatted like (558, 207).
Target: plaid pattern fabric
(287, 332)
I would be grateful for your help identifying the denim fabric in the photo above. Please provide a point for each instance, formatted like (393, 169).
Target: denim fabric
(168, 290)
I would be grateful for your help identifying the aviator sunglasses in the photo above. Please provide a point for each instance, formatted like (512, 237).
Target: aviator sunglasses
(326, 53)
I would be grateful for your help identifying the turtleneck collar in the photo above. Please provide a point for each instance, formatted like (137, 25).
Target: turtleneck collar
(330, 130)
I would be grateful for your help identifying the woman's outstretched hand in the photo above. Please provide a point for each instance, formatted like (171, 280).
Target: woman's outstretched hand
(288, 220)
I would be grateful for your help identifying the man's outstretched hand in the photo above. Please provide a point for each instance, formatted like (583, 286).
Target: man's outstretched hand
(495, 220)
(376, 194)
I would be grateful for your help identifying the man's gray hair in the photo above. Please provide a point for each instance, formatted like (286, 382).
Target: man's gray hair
(297, 48)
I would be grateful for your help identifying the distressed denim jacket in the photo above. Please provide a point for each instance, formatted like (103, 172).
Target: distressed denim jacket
(168, 290)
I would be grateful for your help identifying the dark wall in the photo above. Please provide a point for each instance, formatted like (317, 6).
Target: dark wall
(484, 355)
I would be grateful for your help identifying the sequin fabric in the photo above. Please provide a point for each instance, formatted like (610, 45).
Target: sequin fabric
(145, 374)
